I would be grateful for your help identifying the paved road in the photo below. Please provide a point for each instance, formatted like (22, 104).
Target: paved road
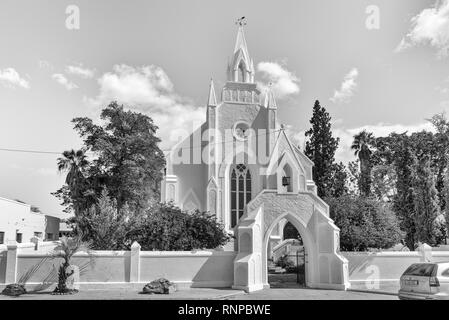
(128, 294)
(311, 294)
(204, 294)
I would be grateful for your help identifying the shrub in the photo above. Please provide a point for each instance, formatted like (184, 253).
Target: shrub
(161, 227)
(168, 228)
(285, 262)
(364, 223)
(296, 269)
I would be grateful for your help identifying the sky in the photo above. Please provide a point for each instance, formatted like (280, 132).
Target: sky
(379, 65)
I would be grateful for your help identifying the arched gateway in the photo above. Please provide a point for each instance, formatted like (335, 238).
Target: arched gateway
(325, 267)
(254, 181)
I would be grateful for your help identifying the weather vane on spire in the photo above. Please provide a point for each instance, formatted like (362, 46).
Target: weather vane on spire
(241, 22)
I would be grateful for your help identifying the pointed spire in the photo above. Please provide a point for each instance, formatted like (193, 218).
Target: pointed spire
(241, 66)
(240, 42)
(212, 101)
(268, 100)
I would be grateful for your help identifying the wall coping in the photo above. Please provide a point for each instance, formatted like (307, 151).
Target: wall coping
(161, 254)
(199, 253)
(383, 253)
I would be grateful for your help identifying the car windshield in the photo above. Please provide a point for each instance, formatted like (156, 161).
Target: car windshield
(421, 269)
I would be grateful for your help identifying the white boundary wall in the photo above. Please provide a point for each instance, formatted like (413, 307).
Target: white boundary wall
(209, 268)
(371, 268)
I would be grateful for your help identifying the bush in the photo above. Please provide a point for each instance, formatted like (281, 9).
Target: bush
(168, 228)
(364, 223)
(285, 262)
(296, 269)
(161, 227)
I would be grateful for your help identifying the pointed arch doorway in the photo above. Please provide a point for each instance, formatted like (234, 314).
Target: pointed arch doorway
(286, 257)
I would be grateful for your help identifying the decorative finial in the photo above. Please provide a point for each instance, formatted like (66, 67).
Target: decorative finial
(241, 22)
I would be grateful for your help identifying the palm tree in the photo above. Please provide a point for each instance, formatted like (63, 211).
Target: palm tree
(66, 248)
(75, 164)
(362, 145)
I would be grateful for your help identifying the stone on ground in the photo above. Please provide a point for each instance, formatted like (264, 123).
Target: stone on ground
(159, 286)
(14, 290)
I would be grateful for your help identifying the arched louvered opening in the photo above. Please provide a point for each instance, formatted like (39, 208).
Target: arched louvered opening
(241, 72)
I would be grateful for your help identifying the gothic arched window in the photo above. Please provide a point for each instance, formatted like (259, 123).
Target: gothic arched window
(240, 192)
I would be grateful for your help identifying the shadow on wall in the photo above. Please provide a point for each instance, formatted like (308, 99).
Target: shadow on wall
(44, 279)
(214, 272)
(362, 263)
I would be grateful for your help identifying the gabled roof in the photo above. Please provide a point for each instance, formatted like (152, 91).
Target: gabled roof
(293, 150)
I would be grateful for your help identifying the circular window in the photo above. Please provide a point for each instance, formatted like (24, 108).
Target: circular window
(241, 130)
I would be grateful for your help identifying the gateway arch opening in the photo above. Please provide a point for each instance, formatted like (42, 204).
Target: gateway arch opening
(286, 257)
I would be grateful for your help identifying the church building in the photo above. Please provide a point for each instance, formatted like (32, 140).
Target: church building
(241, 166)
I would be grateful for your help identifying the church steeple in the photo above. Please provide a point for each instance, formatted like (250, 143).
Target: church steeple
(212, 101)
(241, 67)
(269, 100)
(240, 87)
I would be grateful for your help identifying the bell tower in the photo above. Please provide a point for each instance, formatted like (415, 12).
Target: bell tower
(240, 86)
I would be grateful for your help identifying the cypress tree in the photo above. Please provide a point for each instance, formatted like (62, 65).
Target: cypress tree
(320, 148)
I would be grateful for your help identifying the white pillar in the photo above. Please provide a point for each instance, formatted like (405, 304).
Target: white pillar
(11, 264)
(426, 252)
(135, 263)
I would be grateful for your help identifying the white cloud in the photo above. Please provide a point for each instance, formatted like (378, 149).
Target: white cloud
(61, 79)
(80, 71)
(149, 90)
(10, 78)
(430, 26)
(347, 89)
(284, 82)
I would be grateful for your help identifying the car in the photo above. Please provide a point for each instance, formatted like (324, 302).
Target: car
(425, 281)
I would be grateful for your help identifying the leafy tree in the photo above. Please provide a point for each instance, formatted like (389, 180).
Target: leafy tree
(362, 145)
(353, 177)
(446, 209)
(425, 198)
(339, 185)
(384, 182)
(320, 148)
(126, 161)
(364, 223)
(440, 162)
